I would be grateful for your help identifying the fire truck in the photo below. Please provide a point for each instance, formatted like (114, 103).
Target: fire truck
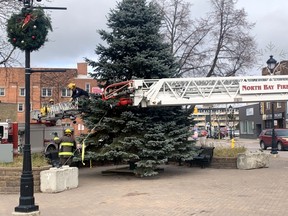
(41, 136)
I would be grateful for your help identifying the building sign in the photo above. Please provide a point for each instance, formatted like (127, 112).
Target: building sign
(276, 116)
(249, 111)
(263, 87)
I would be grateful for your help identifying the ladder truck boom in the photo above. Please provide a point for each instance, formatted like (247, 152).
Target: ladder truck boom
(208, 90)
(56, 111)
(183, 91)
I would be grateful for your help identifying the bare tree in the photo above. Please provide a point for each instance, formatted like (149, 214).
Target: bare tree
(7, 54)
(57, 81)
(234, 48)
(216, 45)
(185, 35)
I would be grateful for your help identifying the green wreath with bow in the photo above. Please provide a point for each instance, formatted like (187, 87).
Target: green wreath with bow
(28, 30)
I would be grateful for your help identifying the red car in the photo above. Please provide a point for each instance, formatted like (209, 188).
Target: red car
(281, 138)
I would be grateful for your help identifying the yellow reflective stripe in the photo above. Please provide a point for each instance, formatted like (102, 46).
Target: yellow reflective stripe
(66, 144)
(83, 153)
(66, 153)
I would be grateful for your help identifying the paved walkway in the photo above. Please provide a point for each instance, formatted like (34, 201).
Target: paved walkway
(178, 191)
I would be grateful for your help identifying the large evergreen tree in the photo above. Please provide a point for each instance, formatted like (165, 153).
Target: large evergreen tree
(147, 136)
(136, 48)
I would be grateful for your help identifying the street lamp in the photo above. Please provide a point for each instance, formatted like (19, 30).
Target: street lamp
(271, 64)
(26, 200)
(231, 117)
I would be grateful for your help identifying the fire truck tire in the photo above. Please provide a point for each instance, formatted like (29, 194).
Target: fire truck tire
(50, 148)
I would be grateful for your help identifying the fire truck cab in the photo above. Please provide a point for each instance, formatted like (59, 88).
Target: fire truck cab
(8, 134)
(41, 136)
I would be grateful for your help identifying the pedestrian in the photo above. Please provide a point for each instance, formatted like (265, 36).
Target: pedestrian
(67, 146)
(77, 92)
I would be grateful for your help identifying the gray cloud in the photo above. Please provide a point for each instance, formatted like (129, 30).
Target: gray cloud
(75, 29)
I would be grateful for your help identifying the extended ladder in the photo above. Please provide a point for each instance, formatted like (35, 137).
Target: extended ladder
(56, 111)
(208, 90)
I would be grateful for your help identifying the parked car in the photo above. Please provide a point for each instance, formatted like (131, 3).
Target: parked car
(281, 138)
(236, 133)
(218, 135)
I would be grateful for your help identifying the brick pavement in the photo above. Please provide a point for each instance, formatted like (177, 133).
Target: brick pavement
(178, 191)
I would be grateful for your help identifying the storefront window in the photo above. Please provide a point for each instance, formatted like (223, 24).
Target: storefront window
(247, 127)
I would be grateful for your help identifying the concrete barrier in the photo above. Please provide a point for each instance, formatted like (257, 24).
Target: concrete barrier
(58, 179)
(252, 160)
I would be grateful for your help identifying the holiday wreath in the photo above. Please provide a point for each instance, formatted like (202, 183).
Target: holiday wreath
(28, 30)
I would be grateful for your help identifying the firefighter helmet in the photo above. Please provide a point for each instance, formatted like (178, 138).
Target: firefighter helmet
(68, 131)
(71, 85)
(51, 100)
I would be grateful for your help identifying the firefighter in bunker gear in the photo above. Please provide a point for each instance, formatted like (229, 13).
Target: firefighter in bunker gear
(45, 109)
(56, 137)
(67, 145)
(51, 102)
(77, 92)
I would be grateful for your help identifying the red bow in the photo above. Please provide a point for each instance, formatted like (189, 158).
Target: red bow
(26, 20)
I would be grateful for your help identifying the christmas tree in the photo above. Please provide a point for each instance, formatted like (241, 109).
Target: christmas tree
(145, 137)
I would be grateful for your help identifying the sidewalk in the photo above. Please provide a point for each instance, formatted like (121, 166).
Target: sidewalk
(178, 191)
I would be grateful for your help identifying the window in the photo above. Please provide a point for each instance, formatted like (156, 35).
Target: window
(268, 105)
(22, 91)
(66, 92)
(278, 105)
(66, 124)
(46, 92)
(20, 107)
(247, 127)
(87, 87)
(2, 92)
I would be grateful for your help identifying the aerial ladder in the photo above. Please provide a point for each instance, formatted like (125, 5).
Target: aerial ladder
(51, 113)
(183, 91)
(193, 91)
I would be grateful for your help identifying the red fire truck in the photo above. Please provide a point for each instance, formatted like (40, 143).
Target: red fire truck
(41, 136)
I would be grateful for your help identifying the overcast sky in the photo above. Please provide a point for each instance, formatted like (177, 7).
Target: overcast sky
(75, 35)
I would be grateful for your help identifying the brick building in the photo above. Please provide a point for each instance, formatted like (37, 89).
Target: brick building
(44, 86)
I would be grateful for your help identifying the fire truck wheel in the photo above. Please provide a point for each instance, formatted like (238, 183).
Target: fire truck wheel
(50, 149)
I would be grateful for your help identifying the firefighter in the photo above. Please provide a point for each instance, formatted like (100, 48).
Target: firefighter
(67, 146)
(45, 109)
(51, 102)
(77, 92)
(56, 137)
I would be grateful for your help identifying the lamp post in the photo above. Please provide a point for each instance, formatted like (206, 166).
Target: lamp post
(231, 117)
(271, 64)
(26, 200)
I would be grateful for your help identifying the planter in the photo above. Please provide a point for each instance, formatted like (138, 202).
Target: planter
(224, 162)
(10, 179)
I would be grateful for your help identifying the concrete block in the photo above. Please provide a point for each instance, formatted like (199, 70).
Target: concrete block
(35, 213)
(252, 160)
(58, 179)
